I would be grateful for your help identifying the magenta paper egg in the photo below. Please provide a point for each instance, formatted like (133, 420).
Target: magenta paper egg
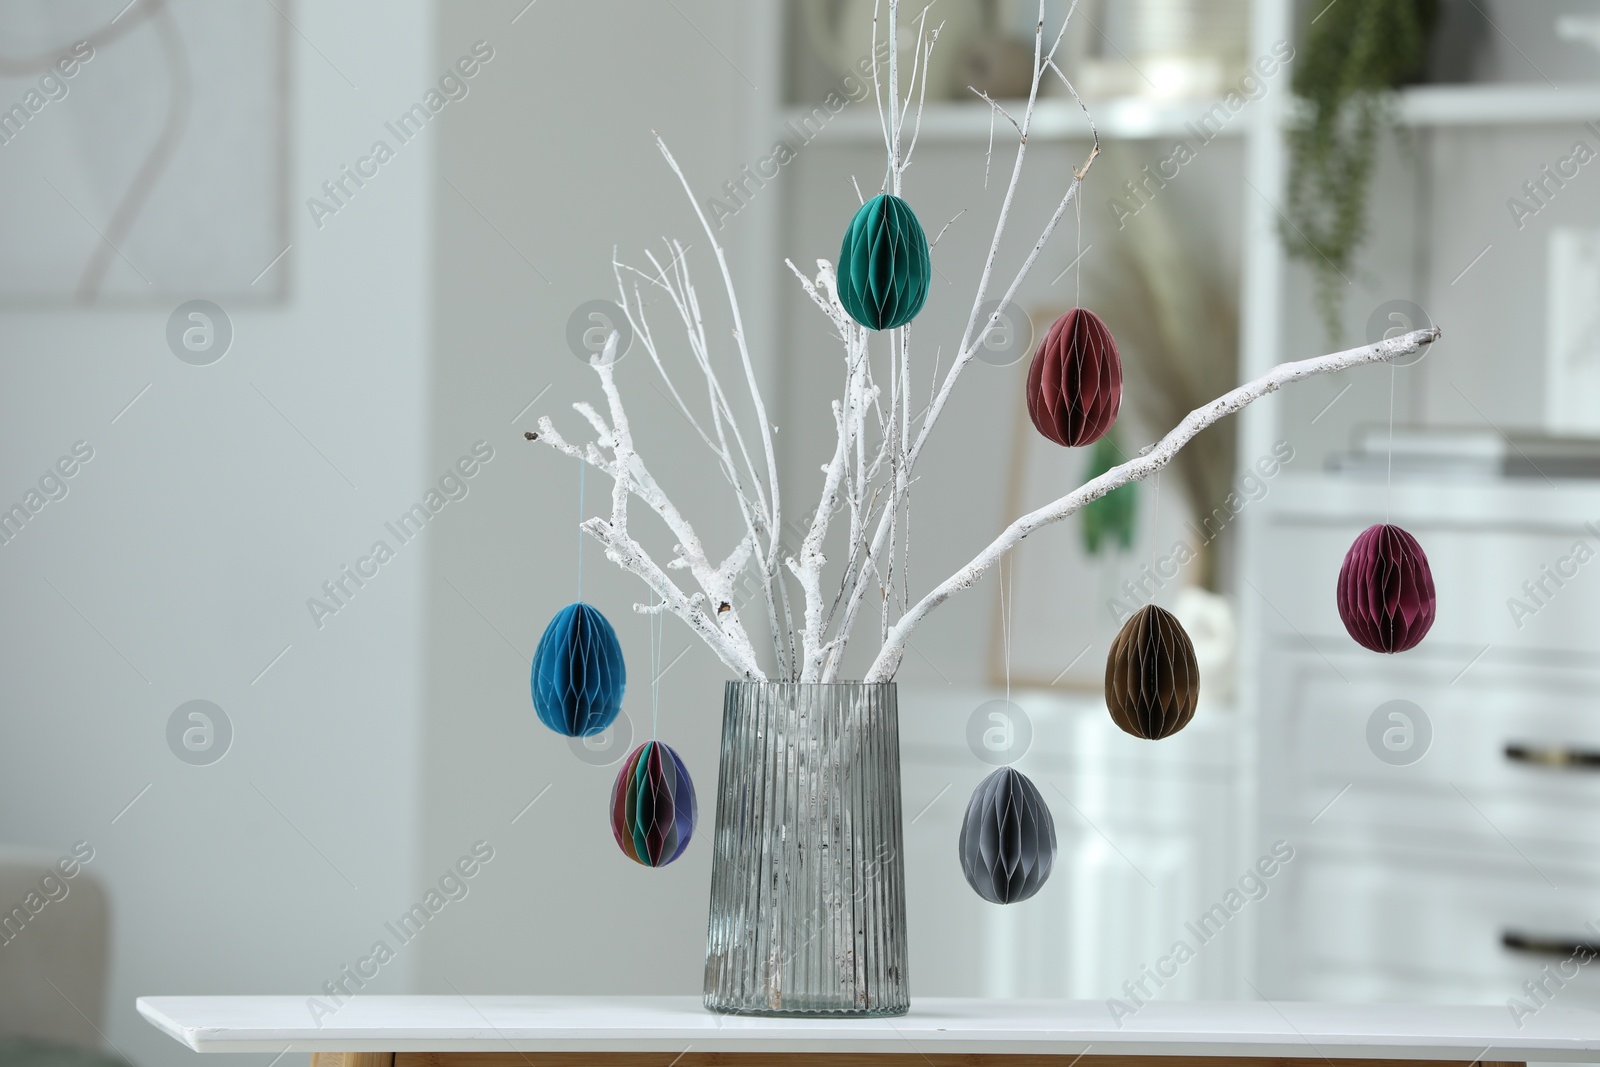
(1385, 590)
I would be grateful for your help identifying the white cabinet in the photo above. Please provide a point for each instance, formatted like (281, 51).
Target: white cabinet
(1146, 836)
(1463, 874)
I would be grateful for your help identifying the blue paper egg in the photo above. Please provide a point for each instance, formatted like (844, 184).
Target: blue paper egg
(578, 674)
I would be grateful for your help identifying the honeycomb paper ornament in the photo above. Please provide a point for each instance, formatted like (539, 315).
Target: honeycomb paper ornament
(1008, 839)
(1152, 679)
(578, 673)
(1075, 380)
(653, 808)
(1386, 590)
(884, 268)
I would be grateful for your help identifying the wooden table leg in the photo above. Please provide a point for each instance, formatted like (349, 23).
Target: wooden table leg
(352, 1059)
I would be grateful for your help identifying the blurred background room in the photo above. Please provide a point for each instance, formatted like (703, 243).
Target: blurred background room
(241, 344)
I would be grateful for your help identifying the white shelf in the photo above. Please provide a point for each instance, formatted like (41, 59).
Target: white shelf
(1054, 119)
(1491, 105)
(1136, 118)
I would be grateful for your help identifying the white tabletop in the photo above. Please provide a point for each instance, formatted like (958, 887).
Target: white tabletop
(473, 1023)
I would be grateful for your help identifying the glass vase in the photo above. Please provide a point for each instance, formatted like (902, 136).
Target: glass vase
(808, 906)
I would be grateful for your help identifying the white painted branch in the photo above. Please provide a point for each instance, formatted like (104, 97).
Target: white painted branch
(808, 566)
(758, 516)
(722, 629)
(889, 656)
(626, 553)
(769, 562)
(874, 562)
(895, 119)
(776, 516)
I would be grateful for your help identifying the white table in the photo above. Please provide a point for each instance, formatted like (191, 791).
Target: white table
(517, 1031)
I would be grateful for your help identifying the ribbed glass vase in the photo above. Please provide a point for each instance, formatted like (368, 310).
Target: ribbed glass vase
(808, 903)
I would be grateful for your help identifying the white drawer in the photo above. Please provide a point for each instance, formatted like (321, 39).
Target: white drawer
(1427, 923)
(1475, 573)
(1481, 783)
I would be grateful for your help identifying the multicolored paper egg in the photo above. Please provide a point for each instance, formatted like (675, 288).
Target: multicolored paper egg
(1385, 592)
(1008, 839)
(1152, 678)
(578, 675)
(653, 809)
(1075, 380)
(884, 266)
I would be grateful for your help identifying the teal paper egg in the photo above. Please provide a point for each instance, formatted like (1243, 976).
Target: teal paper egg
(884, 268)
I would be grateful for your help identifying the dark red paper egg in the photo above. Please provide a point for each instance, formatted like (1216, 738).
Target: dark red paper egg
(1075, 380)
(1386, 590)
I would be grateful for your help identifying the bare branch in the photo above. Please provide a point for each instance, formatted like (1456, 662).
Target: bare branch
(888, 660)
(775, 516)
(995, 108)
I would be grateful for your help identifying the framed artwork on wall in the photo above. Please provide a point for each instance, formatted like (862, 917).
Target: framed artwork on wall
(148, 144)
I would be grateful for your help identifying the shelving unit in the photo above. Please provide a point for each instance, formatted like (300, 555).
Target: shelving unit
(1136, 118)
(1357, 921)
(1273, 324)
(1054, 119)
(1494, 105)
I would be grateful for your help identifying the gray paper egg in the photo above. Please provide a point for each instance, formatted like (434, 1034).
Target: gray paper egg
(1008, 840)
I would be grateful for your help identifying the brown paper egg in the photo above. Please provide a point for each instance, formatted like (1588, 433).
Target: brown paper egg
(1152, 679)
(1075, 380)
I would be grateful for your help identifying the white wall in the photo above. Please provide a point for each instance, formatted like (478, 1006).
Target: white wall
(554, 149)
(180, 563)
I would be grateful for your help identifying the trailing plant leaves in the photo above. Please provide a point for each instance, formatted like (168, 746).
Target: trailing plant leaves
(1008, 839)
(1385, 593)
(578, 675)
(1178, 335)
(1110, 517)
(884, 266)
(1075, 380)
(1354, 53)
(1152, 678)
(653, 808)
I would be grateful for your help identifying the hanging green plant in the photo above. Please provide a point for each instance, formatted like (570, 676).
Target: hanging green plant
(1355, 52)
(1111, 517)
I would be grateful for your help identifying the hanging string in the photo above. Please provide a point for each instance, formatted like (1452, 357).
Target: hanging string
(1077, 203)
(581, 472)
(1388, 489)
(657, 623)
(1155, 525)
(1007, 600)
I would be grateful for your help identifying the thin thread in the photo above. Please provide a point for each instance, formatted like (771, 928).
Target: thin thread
(1388, 488)
(1077, 300)
(581, 471)
(656, 624)
(1007, 600)
(1155, 524)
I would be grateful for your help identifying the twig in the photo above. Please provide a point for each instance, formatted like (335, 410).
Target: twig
(888, 660)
